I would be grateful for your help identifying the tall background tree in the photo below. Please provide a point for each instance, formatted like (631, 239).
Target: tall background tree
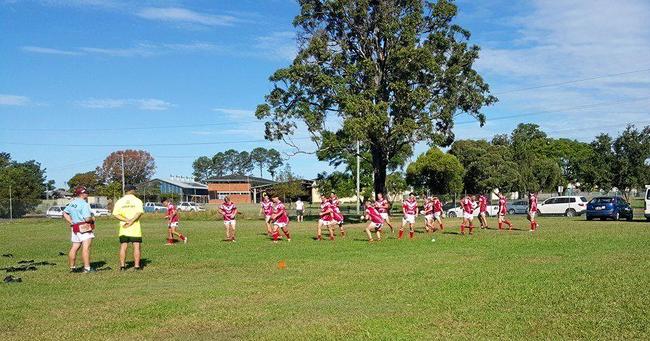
(289, 186)
(268, 159)
(90, 180)
(436, 172)
(27, 181)
(237, 162)
(394, 73)
(139, 166)
(631, 150)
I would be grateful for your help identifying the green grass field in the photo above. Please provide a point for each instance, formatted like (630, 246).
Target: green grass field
(571, 280)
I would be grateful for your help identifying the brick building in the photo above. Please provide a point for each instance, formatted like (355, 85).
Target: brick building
(241, 189)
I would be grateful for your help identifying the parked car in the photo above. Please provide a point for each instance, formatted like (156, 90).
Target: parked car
(609, 207)
(569, 206)
(190, 206)
(518, 207)
(646, 211)
(99, 211)
(458, 211)
(55, 212)
(153, 207)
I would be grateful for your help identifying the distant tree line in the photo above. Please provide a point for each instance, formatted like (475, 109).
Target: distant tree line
(237, 162)
(27, 183)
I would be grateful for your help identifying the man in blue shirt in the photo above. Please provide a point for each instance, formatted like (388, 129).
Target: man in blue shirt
(82, 224)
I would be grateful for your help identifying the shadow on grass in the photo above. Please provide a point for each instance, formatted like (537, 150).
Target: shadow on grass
(143, 263)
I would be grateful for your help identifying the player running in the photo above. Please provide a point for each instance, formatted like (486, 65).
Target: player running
(375, 221)
(326, 219)
(428, 215)
(336, 213)
(410, 211)
(437, 212)
(482, 211)
(503, 210)
(228, 211)
(383, 207)
(267, 210)
(467, 204)
(280, 220)
(532, 211)
(172, 220)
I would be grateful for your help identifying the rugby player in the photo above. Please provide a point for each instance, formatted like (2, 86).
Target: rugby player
(280, 220)
(228, 211)
(128, 211)
(437, 212)
(383, 207)
(503, 210)
(375, 221)
(410, 211)
(336, 213)
(82, 224)
(326, 219)
(172, 222)
(267, 210)
(467, 204)
(482, 211)
(428, 215)
(532, 211)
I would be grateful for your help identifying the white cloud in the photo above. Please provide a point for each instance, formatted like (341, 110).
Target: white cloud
(138, 50)
(116, 103)
(277, 45)
(47, 50)
(13, 100)
(236, 113)
(183, 15)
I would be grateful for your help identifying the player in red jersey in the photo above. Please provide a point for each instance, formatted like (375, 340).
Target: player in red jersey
(532, 211)
(410, 211)
(228, 211)
(336, 213)
(267, 209)
(172, 226)
(437, 212)
(326, 219)
(280, 220)
(467, 205)
(375, 221)
(428, 215)
(383, 207)
(503, 210)
(482, 211)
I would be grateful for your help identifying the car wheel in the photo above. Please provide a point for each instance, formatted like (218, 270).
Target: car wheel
(452, 214)
(630, 217)
(589, 218)
(511, 211)
(570, 213)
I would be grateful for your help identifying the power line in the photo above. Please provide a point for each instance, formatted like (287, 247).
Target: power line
(571, 81)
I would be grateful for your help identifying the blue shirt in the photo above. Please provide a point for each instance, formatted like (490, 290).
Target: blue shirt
(79, 210)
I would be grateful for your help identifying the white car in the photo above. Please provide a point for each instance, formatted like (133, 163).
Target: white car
(646, 212)
(458, 212)
(154, 207)
(98, 211)
(569, 206)
(55, 212)
(189, 206)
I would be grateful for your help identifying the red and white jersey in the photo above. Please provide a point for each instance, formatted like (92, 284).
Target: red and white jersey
(437, 206)
(374, 215)
(410, 207)
(503, 206)
(267, 207)
(172, 213)
(326, 210)
(381, 205)
(482, 204)
(228, 210)
(468, 205)
(428, 208)
(532, 203)
(336, 211)
(280, 212)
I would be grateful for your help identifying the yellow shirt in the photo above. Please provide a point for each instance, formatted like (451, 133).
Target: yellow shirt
(129, 206)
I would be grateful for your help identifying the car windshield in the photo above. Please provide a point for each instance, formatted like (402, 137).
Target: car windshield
(647, 194)
(598, 201)
(583, 199)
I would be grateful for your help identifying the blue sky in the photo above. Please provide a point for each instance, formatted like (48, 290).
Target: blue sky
(76, 72)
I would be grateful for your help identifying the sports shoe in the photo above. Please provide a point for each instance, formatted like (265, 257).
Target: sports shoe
(89, 270)
(73, 270)
(289, 239)
(122, 268)
(185, 240)
(169, 244)
(137, 268)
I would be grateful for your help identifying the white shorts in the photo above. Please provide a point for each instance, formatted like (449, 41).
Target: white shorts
(173, 225)
(384, 215)
(326, 222)
(81, 237)
(229, 222)
(429, 217)
(409, 218)
(280, 225)
(532, 214)
(483, 214)
(267, 218)
(378, 226)
(469, 216)
(437, 215)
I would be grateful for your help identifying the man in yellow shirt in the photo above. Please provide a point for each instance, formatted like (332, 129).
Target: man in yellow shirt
(128, 211)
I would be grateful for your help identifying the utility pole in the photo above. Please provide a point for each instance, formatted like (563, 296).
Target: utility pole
(358, 177)
(11, 207)
(123, 174)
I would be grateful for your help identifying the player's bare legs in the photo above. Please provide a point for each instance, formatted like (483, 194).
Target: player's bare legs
(330, 228)
(136, 255)
(319, 231)
(123, 248)
(72, 255)
(285, 230)
(233, 227)
(387, 221)
(370, 225)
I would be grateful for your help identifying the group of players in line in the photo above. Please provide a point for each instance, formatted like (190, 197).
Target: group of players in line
(376, 213)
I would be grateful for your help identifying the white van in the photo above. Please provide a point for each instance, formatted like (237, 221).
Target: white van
(647, 202)
(569, 206)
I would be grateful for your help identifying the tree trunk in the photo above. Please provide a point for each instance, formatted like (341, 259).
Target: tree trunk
(379, 163)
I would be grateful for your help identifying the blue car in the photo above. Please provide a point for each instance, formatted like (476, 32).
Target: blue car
(518, 207)
(609, 208)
